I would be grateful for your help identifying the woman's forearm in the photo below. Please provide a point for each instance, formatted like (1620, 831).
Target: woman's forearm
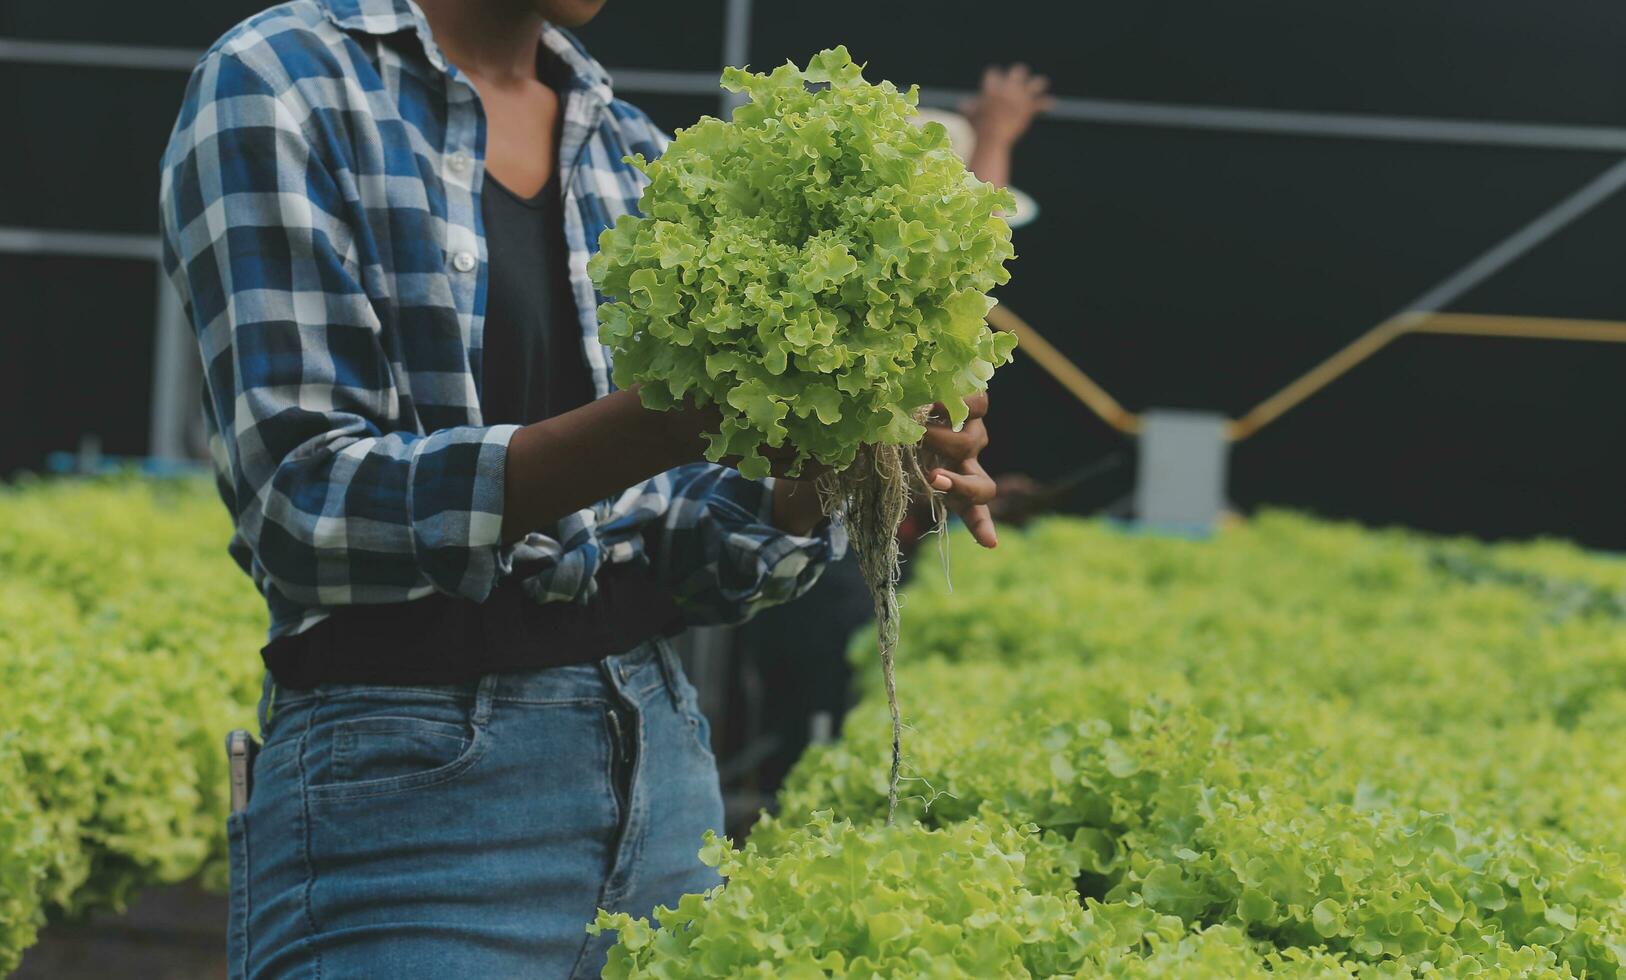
(560, 465)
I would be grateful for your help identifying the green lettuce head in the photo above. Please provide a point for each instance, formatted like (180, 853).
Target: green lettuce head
(818, 268)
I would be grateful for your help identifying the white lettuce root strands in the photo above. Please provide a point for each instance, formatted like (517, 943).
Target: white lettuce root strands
(818, 268)
(871, 498)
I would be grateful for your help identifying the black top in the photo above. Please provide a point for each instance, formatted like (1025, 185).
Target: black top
(533, 369)
(533, 366)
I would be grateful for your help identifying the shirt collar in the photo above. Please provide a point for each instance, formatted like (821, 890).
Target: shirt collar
(380, 17)
(373, 16)
(585, 71)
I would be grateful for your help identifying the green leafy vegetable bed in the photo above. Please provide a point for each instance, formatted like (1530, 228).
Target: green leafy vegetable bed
(127, 650)
(1296, 749)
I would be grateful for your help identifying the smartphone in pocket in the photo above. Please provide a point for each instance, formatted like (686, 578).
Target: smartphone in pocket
(241, 749)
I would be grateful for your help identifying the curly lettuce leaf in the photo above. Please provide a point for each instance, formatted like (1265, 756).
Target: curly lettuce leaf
(818, 268)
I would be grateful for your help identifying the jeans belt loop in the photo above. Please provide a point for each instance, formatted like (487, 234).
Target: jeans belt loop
(670, 668)
(268, 694)
(484, 695)
(612, 677)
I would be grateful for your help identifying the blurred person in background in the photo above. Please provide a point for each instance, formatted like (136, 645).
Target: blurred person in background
(999, 114)
(379, 217)
(799, 649)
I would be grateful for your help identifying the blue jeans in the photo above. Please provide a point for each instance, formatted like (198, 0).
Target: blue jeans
(470, 830)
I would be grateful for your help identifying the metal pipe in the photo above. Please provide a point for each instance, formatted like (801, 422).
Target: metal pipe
(1339, 125)
(83, 54)
(664, 82)
(1056, 364)
(1436, 298)
(81, 244)
(1118, 112)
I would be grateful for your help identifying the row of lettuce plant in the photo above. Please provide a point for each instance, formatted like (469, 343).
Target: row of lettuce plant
(127, 650)
(1296, 749)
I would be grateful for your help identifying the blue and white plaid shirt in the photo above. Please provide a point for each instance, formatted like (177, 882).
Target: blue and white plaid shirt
(321, 218)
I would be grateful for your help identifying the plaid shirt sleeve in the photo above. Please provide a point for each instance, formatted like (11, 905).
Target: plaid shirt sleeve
(336, 504)
(717, 548)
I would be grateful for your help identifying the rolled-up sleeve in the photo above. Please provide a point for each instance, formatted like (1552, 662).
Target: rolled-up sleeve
(717, 549)
(337, 494)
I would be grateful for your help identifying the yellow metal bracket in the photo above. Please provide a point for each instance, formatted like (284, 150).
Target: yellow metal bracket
(1056, 364)
(1097, 400)
(1369, 343)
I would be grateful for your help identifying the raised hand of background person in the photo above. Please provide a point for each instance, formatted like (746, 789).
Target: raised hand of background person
(1000, 113)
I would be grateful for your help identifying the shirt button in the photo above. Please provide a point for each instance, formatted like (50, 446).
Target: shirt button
(463, 262)
(459, 162)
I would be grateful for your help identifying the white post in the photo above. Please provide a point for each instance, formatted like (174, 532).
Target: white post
(1183, 457)
(174, 373)
(736, 46)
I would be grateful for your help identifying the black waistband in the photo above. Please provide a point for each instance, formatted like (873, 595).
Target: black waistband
(451, 640)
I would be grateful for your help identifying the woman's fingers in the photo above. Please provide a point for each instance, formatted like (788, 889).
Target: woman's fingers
(968, 485)
(968, 496)
(972, 486)
(980, 523)
(955, 446)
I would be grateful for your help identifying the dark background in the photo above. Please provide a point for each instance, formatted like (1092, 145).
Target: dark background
(1180, 269)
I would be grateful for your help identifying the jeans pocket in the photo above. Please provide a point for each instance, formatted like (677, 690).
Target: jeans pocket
(700, 728)
(237, 901)
(380, 755)
(688, 704)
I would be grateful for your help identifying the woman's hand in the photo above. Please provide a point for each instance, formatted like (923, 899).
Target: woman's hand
(954, 469)
(957, 472)
(796, 507)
